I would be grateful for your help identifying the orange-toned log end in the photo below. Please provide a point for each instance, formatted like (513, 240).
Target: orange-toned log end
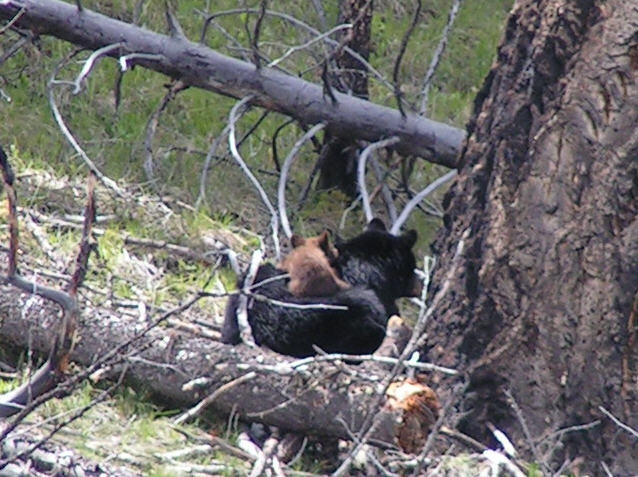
(416, 408)
(64, 363)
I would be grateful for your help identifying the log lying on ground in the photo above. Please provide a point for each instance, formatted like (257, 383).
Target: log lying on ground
(322, 399)
(199, 66)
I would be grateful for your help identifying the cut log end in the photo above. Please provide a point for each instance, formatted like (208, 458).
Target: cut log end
(416, 408)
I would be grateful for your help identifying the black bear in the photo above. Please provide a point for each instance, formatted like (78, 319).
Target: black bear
(310, 267)
(380, 268)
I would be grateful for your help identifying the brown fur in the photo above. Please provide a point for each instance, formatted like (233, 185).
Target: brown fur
(310, 267)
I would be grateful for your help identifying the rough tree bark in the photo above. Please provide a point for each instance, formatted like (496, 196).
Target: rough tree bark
(544, 305)
(339, 154)
(199, 66)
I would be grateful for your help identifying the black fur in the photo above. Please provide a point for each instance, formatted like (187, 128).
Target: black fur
(380, 261)
(380, 266)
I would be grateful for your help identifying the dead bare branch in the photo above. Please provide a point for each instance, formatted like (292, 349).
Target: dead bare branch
(194, 411)
(109, 183)
(242, 307)
(436, 58)
(283, 177)
(237, 110)
(212, 151)
(310, 42)
(361, 172)
(385, 190)
(405, 213)
(618, 422)
(90, 63)
(174, 27)
(254, 44)
(46, 377)
(397, 64)
(12, 21)
(298, 23)
(151, 127)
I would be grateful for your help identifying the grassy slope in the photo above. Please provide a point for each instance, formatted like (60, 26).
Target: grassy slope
(114, 139)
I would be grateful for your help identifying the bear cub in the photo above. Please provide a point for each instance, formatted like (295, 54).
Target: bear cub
(310, 265)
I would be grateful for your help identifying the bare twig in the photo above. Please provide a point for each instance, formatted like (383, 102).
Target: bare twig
(3, 94)
(521, 419)
(174, 27)
(498, 460)
(273, 141)
(13, 49)
(213, 151)
(385, 190)
(255, 38)
(91, 62)
(13, 21)
(370, 357)
(299, 23)
(405, 213)
(283, 177)
(606, 469)
(502, 439)
(109, 183)
(618, 422)
(361, 172)
(274, 221)
(126, 59)
(310, 42)
(296, 306)
(397, 63)
(434, 63)
(151, 128)
(194, 411)
(209, 157)
(242, 305)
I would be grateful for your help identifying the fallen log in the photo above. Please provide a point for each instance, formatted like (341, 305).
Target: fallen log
(320, 398)
(199, 66)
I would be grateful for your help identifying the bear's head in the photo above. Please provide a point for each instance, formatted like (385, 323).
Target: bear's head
(381, 261)
(321, 241)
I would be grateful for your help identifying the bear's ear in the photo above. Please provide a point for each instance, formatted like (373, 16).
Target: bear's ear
(324, 238)
(376, 224)
(409, 238)
(297, 241)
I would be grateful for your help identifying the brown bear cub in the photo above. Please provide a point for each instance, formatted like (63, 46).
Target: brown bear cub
(310, 267)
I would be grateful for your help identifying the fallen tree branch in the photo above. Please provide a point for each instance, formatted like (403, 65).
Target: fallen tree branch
(283, 177)
(237, 110)
(361, 172)
(52, 370)
(307, 401)
(199, 66)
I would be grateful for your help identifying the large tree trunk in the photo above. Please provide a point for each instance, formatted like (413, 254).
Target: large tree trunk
(199, 66)
(542, 305)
